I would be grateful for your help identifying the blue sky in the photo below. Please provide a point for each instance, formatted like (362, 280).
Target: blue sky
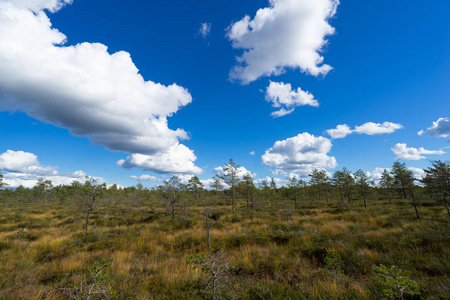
(77, 106)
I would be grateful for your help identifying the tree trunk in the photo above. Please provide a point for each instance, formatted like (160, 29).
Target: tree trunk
(214, 287)
(87, 219)
(90, 207)
(253, 202)
(209, 238)
(232, 198)
(446, 205)
(404, 191)
(342, 196)
(295, 201)
(173, 210)
(415, 205)
(365, 205)
(248, 197)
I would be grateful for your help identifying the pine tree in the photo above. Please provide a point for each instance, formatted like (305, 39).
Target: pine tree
(231, 178)
(437, 180)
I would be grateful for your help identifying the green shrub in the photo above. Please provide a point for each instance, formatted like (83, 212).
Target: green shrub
(395, 283)
(333, 263)
(4, 246)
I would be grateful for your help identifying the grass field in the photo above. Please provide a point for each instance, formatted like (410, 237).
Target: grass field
(272, 252)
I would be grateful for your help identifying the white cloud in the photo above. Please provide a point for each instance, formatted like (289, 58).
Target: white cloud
(205, 29)
(282, 96)
(278, 181)
(24, 162)
(145, 177)
(440, 128)
(417, 172)
(207, 183)
(23, 168)
(378, 172)
(252, 153)
(288, 34)
(282, 112)
(371, 128)
(39, 5)
(83, 88)
(118, 186)
(300, 154)
(178, 159)
(30, 180)
(341, 131)
(410, 153)
(241, 172)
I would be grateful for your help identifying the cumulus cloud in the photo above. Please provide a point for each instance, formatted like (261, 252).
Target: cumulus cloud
(39, 5)
(207, 183)
(371, 128)
(24, 168)
(368, 128)
(252, 153)
(241, 172)
(178, 159)
(410, 153)
(417, 172)
(278, 181)
(205, 29)
(341, 131)
(83, 87)
(378, 172)
(145, 177)
(300, 154)
(288, 34)
(24, 162)
(440, 128)
(282, 96)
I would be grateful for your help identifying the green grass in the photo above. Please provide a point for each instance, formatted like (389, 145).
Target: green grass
(315, 252)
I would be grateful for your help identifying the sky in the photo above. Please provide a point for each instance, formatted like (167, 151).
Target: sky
(137, 91)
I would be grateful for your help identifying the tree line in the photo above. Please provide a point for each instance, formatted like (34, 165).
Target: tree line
(240, 191)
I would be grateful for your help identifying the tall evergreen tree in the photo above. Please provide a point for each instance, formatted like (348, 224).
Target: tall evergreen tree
(92, 190)
(387, 183)
(195, 186)
(172, 188)
(217, 184)
(320, 179)
(231, 178)
(362, 181)
(294, 186)
(404, 179)
(437, 180)
(2, 183)
(248, 180)
(343, 179)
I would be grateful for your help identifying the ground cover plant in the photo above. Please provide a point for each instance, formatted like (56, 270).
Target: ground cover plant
(181, 242)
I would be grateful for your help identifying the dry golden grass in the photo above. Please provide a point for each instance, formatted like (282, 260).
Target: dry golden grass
(314, 253)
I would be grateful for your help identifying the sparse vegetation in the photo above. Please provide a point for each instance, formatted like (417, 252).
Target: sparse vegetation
(161, 248)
